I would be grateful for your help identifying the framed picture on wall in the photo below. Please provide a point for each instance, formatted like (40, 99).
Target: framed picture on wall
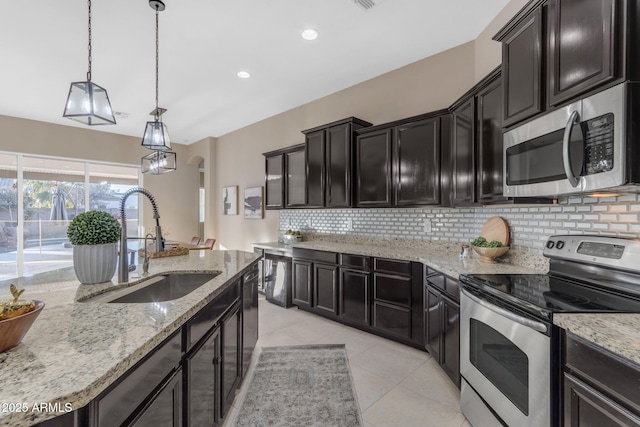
(253, 203)
(230, 200)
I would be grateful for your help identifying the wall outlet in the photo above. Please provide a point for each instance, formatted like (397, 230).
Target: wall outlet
(427, 226)
(349, 224)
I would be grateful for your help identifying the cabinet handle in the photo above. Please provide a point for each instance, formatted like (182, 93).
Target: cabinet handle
(216, 360)
(566, 156)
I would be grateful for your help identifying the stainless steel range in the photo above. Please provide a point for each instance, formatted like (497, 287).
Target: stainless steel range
(509, 347)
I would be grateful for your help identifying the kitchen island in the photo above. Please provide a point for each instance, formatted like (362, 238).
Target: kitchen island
(75, 350)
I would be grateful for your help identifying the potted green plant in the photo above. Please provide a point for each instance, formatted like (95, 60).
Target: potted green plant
(94, 236)
(291, 236)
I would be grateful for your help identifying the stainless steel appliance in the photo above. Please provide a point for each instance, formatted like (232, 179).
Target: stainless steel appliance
(588, 146)
(277, 277)
(509, 347)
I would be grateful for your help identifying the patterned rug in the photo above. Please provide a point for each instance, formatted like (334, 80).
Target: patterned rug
(301, 386)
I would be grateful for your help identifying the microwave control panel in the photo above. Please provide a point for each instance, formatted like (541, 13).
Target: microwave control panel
(598, 144)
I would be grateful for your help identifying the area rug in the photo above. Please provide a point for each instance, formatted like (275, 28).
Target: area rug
(301, 386)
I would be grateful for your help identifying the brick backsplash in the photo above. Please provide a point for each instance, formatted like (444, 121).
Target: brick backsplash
(530, 225)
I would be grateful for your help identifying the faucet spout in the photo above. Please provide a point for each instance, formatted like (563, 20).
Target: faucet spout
(123, 268)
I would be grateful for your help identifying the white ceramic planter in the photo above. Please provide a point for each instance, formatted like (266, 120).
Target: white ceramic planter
(95, 263)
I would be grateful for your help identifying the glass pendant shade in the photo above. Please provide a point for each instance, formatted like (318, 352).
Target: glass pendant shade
(159, 162)
(156, 136)
(88, 103)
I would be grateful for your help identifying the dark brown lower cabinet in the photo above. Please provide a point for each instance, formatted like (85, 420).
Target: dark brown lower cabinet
(355, 288)
(392, 319)
(165, 408)
(231, 357)
(202, 371)
(442, 331)
(325, 288)
(302, 280)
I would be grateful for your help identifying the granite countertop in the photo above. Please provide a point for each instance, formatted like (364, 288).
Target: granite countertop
(75, 350)
(441, 256)
(617, 332)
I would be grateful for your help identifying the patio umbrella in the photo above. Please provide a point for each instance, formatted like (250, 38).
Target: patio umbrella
(58, 210)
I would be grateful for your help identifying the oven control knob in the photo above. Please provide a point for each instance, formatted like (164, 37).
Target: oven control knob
(560, 244)
(550, 244)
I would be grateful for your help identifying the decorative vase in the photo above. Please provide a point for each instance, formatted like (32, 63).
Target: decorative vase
(95, 263)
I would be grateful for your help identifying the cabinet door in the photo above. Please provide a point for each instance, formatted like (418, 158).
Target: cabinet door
(274, 182)
(392, 319)
(338, 166)
(522, 69)
(325, 287)
(302, 281)
(450, 357)
(463, 153)
(433, 323)
(249, 317)
(165, 408)
(582, 46)
(315, 143)
(295, 184)
(490, 147)
(203, 383)
(231, 370)
(417, 163)
(373, 169)
(355, 296)
(584, 406)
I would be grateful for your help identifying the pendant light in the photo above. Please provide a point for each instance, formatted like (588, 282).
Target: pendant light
(158, 162)
(156, 135)
(87, 102)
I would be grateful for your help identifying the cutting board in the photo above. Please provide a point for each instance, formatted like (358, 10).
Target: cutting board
(496, 228)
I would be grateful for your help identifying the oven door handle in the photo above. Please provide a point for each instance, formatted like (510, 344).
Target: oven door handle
(566, 155)
(538, 326)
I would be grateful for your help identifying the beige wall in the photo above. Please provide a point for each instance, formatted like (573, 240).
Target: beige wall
(176, 193)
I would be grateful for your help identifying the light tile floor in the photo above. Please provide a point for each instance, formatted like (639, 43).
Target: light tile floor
(396, 385)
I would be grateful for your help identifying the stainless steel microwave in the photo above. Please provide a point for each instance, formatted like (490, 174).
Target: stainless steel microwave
(588, 146)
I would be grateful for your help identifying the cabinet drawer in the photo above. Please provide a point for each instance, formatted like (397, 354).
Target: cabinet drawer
(355, 261)
(198, 326)
(612, 375)
(394, 289)
(392, 319)
(446, 284)
(116, 405)
(392, 266)
(312, 255)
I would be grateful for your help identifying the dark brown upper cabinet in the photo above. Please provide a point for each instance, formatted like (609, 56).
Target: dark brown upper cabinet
(463, 153)
(274, 179)
(373, 169)
(489, 137)
(329, 154)
(582, 46)
(522, 68)
(295, 177)
(399, 163)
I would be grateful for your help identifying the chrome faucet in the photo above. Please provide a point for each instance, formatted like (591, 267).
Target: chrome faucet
(123, 268)
(145, 263)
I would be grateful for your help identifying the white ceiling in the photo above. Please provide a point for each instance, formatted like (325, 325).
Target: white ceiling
(204, 43)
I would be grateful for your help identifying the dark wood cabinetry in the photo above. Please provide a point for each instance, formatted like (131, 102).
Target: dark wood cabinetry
(202, 369)
(442, 322)
(295, 177)
(355, 300)
(302, 280)
(463, 153)
(231, 371)
(165, 407)
(325, 288)
(399, 163)
(274, 180)
(600, 388)
(582, 46)
(329, 156)
(315, 281)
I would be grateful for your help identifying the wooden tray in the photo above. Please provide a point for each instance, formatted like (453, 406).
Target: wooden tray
(496, 228)
(178, 250)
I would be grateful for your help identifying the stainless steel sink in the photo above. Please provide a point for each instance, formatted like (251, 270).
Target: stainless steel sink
(166, 287)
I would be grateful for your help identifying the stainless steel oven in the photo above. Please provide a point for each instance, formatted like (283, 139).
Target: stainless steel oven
(504, 357)
(587, 146)
(510, 360)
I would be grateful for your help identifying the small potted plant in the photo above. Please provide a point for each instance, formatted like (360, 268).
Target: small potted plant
(94, 235)
(291, 236)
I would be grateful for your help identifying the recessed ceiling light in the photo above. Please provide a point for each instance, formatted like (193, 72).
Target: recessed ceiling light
(243, 74)
(309, 34)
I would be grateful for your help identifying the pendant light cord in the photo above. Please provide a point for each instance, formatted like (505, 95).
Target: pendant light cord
(89, 72)
(157, 56)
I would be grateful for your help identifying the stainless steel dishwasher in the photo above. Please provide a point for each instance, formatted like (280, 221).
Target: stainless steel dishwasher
(277, 277)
